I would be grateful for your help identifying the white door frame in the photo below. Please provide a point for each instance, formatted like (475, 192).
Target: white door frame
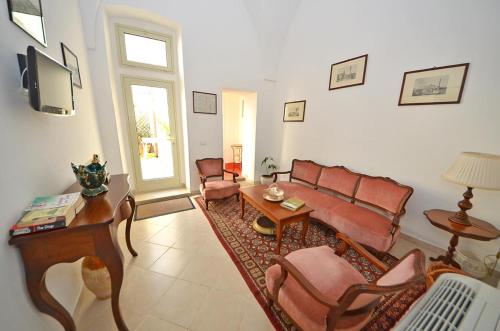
(154, 184)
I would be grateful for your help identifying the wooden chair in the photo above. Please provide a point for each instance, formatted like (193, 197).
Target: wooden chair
(216, 189)
(319, 290)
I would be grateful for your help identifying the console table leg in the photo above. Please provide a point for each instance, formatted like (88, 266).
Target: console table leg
(45, 302)
(128, 226)
(110, 255)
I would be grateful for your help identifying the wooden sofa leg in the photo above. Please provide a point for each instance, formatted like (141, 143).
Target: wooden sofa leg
(238, 197)
(206, 204)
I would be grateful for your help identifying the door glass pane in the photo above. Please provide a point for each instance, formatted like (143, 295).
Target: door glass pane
(145, 50)
(153, 131)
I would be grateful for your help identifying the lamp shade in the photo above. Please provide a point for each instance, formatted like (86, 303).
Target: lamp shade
(476, 170)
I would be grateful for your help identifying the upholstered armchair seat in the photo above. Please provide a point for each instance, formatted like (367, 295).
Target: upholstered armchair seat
(328, 273)
(219, 189)
(319, 290)
(210, 189)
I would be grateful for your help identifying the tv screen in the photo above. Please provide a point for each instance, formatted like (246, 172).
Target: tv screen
(50, 86)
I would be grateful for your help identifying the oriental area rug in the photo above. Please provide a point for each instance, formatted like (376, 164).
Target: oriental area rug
(251, 252)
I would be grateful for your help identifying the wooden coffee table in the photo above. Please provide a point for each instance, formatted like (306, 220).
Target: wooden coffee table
(277, 214)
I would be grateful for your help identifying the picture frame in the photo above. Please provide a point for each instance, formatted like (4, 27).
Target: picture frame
(347, 73)
(28, 16)
(433, 86)
(204, 103)
(294, 111)
(71, 62)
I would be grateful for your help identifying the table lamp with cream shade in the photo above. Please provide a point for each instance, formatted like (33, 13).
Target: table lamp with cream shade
(473, 170)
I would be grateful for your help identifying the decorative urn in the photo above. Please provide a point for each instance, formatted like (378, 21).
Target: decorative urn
(92, 177)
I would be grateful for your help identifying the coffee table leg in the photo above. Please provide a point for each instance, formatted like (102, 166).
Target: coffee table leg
(242, 206)
(305, 226)
(279, 235)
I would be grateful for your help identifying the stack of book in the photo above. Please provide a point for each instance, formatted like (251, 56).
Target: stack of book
(292, 204)
(48, 213)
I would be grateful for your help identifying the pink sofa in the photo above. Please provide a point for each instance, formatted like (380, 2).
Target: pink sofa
(365, 208)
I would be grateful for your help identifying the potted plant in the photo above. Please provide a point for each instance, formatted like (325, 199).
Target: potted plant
(269, 167)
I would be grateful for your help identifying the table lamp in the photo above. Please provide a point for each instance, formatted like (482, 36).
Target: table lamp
(473, 170)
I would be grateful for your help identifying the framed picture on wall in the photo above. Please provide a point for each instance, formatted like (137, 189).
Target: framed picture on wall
(71, 62)
(438, 85)
(294, 111)
(347, 73)
(27, 14)
(204, 103)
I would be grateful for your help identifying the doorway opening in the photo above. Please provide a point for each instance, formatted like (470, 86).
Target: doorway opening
(239, 114)
(153, 134)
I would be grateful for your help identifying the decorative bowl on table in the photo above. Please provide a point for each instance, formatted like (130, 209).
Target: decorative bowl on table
(274, 193)
(92, 177)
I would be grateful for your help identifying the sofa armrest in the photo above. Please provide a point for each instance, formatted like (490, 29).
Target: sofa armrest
(288, 268)
(276, 173)
(348, 242)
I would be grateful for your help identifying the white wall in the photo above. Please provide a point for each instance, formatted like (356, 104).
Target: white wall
(231, 117)
(363, 128)
(248, 132)
(37, 150)
(220, 49)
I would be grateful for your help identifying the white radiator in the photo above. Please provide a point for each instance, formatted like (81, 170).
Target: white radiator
(455, 302)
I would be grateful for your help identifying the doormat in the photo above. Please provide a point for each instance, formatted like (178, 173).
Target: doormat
(163, 207)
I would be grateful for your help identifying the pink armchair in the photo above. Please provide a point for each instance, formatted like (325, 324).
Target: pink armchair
(216, 189)
(319, 290)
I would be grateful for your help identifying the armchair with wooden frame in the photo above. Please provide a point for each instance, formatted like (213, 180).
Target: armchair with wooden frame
(216, 189)
(319, 290)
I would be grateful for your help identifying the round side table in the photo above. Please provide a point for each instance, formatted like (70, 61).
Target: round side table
(479, 230)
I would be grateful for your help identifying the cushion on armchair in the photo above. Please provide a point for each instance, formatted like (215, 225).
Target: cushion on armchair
(330, 274)
(219, 189)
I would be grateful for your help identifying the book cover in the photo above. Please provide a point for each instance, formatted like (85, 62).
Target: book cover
(54, 201)
(16, 231)
(292, 204)
(53, 219)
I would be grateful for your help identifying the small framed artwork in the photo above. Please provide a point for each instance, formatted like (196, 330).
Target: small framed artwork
(347, 73)
(438, 85)
(71, 62)
(29, 17)
(204, 103)
(294, 111)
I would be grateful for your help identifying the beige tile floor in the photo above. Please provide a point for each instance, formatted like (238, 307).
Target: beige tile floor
(183, 279)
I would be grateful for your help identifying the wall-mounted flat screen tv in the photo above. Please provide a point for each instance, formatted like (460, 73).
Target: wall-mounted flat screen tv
(50, 87)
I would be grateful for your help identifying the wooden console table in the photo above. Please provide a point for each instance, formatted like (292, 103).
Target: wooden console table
(92, 233)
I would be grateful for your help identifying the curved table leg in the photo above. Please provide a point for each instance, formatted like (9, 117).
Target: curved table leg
(110, 254)
(44, 301)
(128, 226)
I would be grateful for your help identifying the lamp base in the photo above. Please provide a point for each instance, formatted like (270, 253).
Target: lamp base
(460, 219)
(461, 216)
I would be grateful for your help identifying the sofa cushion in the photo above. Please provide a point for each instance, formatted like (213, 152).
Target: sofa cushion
(339, 179)
(219, 189)
(318, 201)
(382, 192)
(330, 274)
(363, 225)
(306, 171)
